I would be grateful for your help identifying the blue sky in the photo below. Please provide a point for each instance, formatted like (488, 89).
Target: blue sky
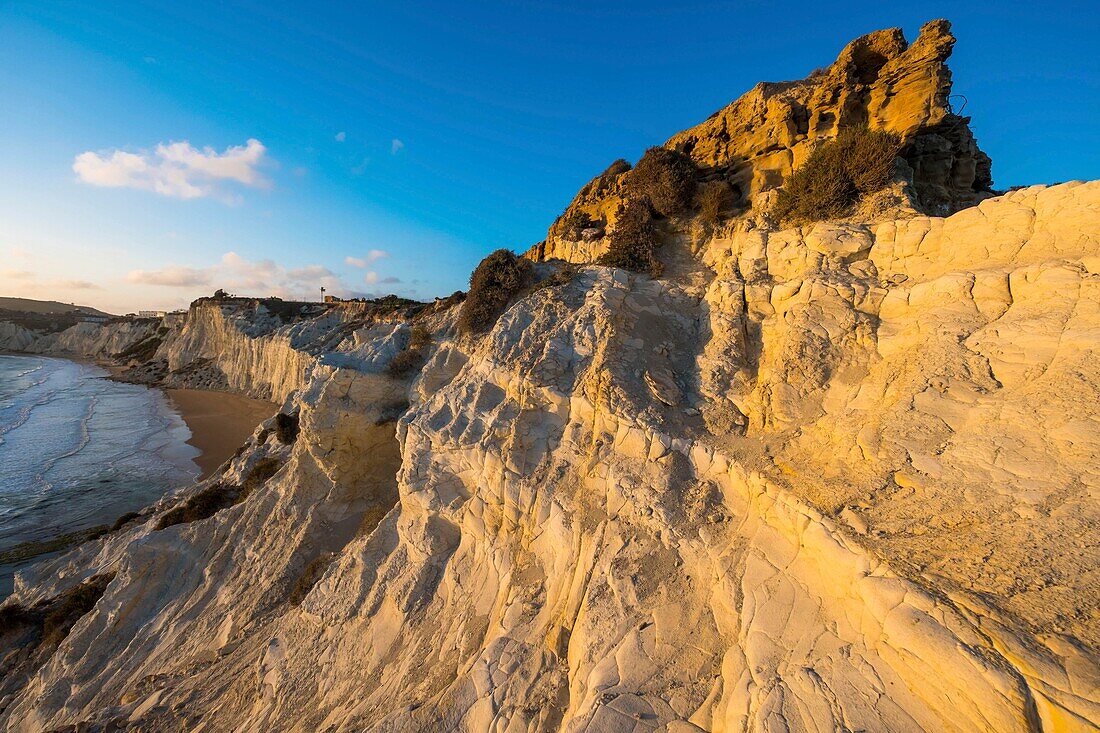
(399, 143)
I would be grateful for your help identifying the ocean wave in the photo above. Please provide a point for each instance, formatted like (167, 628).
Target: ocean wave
(77, 449)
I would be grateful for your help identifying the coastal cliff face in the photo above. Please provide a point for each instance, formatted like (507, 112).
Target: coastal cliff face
(834, 477)
(552, 538)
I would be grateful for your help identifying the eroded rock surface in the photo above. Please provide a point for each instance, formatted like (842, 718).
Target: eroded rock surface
(879, 81)
(835, 478)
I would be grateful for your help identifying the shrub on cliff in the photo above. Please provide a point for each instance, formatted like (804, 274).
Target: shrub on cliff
(493, 283)
(665, 177)
(286, 428)
(633, 241)
(714, 200)
(572, 223)
(202, 505)
(412, 356)
(837, 175)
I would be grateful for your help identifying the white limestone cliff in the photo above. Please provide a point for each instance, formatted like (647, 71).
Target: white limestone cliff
(835, 478)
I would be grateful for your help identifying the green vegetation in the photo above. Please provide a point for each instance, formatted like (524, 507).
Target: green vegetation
(202, 505)
(665, 177)
(412, 356)
(562, 276)
(634, 241)
(286, 428)
(493, 284)
(124, 520)
(142, 351)
(27, 550)
(837, 175)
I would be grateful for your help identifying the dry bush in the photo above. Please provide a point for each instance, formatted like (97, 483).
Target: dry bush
(216, 497)
(837, 175)
(562, 276)
(202, 505)
(286, 428)
(633, 241)
(493, 284)
(603, 183)
(412, 356)
(55, 617)
(665, 177)
(142, 350)
(260, 472)
(572, 223)
(714, 200)
(309, 577)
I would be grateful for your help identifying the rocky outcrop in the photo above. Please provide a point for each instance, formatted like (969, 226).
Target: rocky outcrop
(878, 81)
(840, 477)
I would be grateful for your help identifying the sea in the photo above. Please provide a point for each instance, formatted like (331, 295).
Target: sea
(77, 451)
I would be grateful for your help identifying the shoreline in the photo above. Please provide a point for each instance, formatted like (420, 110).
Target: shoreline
(220, 422)
(217, 424)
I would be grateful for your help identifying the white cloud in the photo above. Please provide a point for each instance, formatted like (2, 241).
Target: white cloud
(174, 276)
(361, 262)
(371, 278)
(396, 146)
(76, 285)
(18, 274)
(239, 275)
(341, 136)
(177, 169)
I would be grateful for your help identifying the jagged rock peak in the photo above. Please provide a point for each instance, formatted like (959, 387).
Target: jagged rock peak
(879, 81)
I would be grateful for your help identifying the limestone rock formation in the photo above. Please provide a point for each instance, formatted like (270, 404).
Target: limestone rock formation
(838, 477)
(898, 534)
(878, 81)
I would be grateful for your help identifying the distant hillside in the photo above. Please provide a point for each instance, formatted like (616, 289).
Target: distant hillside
(26, 305)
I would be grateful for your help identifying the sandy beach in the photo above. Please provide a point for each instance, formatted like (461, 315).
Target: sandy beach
(219, 422)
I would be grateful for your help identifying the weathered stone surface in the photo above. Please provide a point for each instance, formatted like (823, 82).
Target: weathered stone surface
(899, 535)
(878, 81)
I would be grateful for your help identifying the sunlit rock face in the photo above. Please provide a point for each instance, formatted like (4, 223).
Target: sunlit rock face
(878, 82)
(841, 477)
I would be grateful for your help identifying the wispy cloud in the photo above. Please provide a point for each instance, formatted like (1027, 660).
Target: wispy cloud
(361, 262)
(360, 169)
(175, 276)
(245, 277)
(341, 136)
(373, 278)
(27, 278)
(396, 146)
(76, 285)
(176, 169)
